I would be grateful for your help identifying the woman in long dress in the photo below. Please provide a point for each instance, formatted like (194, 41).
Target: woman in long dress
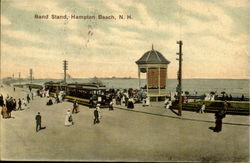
(147, 101)
(24, 104)
(1, 100)
(4, 112)
(99, 110)
(111, 105)
(130, 103)
(203, 107)
(68, 119)
(218, 120)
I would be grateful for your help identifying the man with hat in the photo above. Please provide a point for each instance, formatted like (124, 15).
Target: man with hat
(38, 121)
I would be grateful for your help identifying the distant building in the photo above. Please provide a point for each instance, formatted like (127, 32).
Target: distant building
(155, 65)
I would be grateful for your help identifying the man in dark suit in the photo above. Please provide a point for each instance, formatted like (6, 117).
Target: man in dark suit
(28, 98)
(38, 121)
(19, 104)
(96, 116)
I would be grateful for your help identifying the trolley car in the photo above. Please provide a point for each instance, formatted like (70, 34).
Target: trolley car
(55, 87)
(88, 94)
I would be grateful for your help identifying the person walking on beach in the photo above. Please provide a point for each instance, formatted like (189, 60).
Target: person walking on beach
(14, 104)
(218, 120)
(219, 116)
(167, 103)
(96, 116)
(57, 98)
(126, 98)
(1, 100)
(4, 112)
(225, 106)
(9, 105)
(118, 100)
(202, 109)
(130, 103)
(28, 98)
(24, 104)
(68, 119)
(147, 101)
(111, 105)
(19, 104)
(38, 121)
(75, 107)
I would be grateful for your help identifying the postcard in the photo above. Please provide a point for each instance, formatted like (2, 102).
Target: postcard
(128, 80)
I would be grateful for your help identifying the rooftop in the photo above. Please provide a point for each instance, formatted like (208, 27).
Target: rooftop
(152, 57)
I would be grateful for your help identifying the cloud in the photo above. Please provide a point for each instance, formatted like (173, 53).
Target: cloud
(124, 33)
(115, 7)
(221, 24)
(28, 52)
(76, 39)
(45, 6)
(113, 38)
(144, 21)
(5, 21)
(236, 3)
(22, 35)
(209, 43)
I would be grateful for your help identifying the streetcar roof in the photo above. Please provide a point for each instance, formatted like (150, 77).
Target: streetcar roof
(86, 86)
(77, 85)
(55, 83)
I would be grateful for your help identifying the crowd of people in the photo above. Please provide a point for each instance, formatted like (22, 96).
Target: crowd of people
(11, 104)
(212, 96)
(126, 97)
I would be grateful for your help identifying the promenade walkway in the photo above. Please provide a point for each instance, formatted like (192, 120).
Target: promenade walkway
(142, 134)
(157, 109)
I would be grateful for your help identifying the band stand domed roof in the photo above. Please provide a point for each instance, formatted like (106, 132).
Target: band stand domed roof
(152, 57)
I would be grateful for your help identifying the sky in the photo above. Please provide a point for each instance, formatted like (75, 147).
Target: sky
(215, 37)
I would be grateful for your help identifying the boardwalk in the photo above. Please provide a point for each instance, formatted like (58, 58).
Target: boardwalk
(145, 134)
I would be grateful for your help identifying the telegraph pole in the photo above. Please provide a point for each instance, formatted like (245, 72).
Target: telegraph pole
(31, 73)
(179, 75)
(65, 68)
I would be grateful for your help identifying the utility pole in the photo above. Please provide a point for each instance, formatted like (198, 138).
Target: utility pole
(31, 73)
(65, 68)
(19, 77)
(179, 75)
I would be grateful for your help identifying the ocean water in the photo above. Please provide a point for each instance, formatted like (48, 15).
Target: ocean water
(235, 87)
